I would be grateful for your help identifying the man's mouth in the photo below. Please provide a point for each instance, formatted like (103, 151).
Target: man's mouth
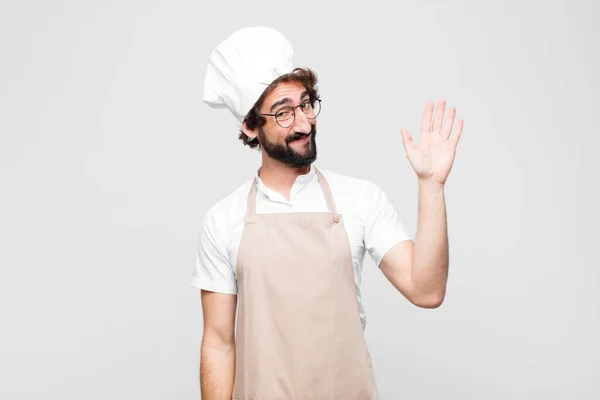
(301, 139)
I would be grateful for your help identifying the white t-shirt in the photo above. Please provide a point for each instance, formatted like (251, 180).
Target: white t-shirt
(369, 218)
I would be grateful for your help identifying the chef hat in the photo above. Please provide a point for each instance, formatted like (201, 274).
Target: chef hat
(243, 65)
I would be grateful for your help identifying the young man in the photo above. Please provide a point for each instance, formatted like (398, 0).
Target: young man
(285, 250)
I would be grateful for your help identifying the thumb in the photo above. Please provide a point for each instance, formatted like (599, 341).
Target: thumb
(407, 140)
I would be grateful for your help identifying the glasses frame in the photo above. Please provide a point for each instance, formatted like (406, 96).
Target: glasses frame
(294, 114)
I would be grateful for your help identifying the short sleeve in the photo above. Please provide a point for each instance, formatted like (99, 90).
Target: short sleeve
(383, 228)
(213, 271)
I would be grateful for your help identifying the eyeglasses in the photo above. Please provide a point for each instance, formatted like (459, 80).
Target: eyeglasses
(286, 116)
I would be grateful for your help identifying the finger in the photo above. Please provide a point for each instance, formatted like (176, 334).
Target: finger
(439, 116)
(448, 123)
(427, 115)
(407, 140)
(457, 132)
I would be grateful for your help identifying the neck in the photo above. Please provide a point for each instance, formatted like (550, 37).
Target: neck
(278, 176)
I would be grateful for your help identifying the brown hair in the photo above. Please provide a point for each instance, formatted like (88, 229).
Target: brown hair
(253, 120)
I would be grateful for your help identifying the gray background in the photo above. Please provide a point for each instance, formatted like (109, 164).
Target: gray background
(109, 159)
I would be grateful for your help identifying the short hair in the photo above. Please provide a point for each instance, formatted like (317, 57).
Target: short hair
(253, 120)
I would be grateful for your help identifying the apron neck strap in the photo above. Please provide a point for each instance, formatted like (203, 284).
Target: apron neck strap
(251, 204)
(326, 192)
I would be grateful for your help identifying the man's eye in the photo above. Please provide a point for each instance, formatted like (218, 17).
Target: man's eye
(283, 114)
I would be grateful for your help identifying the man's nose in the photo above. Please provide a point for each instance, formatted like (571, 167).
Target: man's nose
(301, 122)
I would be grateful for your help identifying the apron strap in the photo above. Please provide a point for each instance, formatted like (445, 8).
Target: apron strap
(251, 207)
(251, 202)
(326, 192)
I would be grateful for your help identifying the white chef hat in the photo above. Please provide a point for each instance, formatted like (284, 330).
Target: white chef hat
(243, 65)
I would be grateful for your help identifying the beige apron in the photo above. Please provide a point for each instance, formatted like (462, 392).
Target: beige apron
(298, 334)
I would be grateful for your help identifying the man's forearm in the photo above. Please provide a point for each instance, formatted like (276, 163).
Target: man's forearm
(430, 263)
(217, 370)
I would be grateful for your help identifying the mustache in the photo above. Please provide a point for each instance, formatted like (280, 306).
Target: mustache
(296, 135)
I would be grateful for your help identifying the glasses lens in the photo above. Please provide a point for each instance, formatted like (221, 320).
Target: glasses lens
(285, 117)
(314, 111)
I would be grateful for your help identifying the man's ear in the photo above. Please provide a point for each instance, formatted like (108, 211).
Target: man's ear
(252, 134)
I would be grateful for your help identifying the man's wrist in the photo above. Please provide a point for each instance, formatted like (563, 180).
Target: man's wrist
(430, 184)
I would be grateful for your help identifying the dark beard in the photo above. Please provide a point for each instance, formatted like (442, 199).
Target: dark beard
(287, 155)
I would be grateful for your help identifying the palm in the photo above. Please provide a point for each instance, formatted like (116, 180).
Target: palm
(433, 157)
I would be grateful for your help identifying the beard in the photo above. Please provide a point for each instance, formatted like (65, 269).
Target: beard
(286, 154)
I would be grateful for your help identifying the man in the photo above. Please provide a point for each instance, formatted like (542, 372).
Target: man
(285, 250)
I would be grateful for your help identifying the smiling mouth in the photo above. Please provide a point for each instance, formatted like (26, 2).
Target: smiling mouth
(302, 139)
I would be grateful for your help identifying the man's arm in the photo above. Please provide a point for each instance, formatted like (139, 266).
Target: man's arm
(217, 358)
(419, 270)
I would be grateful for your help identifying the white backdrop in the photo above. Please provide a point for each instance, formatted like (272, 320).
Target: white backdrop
(109, 160)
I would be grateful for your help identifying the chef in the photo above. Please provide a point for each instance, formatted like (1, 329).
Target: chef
(279, 258)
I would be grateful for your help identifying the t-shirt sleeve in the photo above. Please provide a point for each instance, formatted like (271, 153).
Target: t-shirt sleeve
(213, 271)
(383, 228)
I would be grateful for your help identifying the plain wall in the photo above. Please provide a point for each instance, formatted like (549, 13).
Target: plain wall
(109, 159)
